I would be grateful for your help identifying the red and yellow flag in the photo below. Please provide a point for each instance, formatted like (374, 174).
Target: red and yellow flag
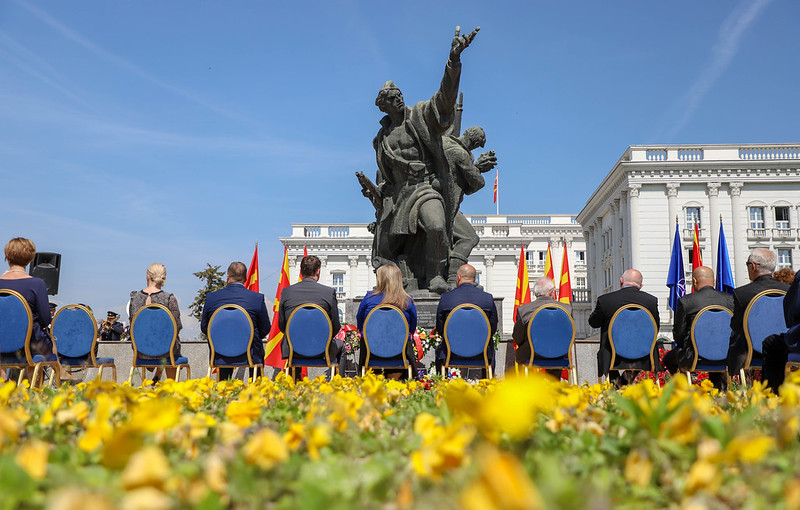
(496, 173)
(251, 282)
(522, 294)
(697, 257)
(305, 254)
(564, 287)
(548, 265)
(272, 351)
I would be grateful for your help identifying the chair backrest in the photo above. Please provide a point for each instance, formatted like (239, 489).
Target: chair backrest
(309, 331)
(153, 331)
(16, 322)
(386, 332)
(551, 331)
(764, 317)
(74, 331)
(632, 332)
(711, 333)
(467, 331)
(230, 331)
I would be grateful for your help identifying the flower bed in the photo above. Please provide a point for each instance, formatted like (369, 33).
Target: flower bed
(371, 443)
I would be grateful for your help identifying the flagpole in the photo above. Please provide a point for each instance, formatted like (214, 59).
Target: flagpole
(497, 192)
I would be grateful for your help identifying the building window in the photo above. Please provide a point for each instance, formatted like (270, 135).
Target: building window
(782, 217)
(580, 257)
(580, 282)
(693, 218)
(784, 258)
(477, 277)
(338, 283)
(756, 217)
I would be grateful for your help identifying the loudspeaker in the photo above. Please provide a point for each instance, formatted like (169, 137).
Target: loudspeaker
(47, 266)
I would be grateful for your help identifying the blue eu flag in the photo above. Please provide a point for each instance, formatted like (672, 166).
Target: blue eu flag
(676, 278)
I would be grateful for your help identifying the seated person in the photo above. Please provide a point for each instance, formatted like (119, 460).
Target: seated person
(544, 293)
(465, 292)
(388, 291)
(234, 293)
(776, 348)
(689, 306)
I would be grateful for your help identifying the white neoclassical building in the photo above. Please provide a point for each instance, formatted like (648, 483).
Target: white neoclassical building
(630, 219)
(345, 251)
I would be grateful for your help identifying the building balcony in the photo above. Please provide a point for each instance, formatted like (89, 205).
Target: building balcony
(341, 294)
(688, 234)
(757, 234)
(580, 295)
(783, 233)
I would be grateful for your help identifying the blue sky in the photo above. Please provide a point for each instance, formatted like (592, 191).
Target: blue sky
(183, 132)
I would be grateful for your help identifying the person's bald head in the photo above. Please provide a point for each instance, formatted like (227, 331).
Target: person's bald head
(702, 277)
(631, 278)
(465, 274)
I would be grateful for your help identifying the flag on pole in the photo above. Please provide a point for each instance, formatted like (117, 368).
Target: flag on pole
(496, 174)
(272, 351)
(251, 282)
(724, 273)
(522, 294)
(564, 288)
(676, 277)
(305, 254)
(548, 265)
(697, 257)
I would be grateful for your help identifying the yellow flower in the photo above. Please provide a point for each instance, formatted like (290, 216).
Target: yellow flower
(215, 474)
(146, 498)
(514, 405)
(120, 445)
(703, 475)
(242, 413)
(73, 498)
(148, 467)
(791, 493)
(750, 448)
(265, 449)
(638, 468)
(294, 436)
(155, 414)
(319, 436)
(502, 484)
(11, 424)
(442, 447)
(78, 412)
(32, 457)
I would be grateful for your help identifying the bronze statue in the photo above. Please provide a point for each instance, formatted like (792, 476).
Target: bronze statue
(416, 194)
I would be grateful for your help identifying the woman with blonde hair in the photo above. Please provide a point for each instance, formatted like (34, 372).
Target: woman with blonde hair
(388, 291)
(156, 276)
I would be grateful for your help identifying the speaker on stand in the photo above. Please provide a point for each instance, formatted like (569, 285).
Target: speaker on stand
(46, 266)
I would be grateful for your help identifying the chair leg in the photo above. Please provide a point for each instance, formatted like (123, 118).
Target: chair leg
(689, 378)
(741, 377)
(489, 371)
(526, 370)
(55, 370)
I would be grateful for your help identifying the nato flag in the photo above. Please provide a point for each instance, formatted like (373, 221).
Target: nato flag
(724, 274)
(676, 278)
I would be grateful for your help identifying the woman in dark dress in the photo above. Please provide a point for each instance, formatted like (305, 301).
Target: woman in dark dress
(19, 252)
(156, 276)
(388, 290)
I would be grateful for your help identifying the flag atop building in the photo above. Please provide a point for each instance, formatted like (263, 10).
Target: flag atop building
(676, 277)
(251, 282)
(272, 351)
(522, 294)
(548, 264)
(496, 174)
(564, 286)
(724, 274)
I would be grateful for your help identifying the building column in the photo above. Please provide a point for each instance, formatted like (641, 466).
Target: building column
(353, 276)
(488, 284)
(633, 207)
(672, 205)
(324, 277)
(739, 254)
(713, 223)
(623, 225)
(297, 272)
(597, 261)
(616, 259)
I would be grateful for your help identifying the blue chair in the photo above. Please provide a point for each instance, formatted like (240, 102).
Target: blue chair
(467, 335)
(153, 333)
(711, 337)
(230, 334)
(75, 337)
(385, 338)
(632, 334)
(551, 333)
(16, 332)
(308, 334)
(792, 363)
(762, 317)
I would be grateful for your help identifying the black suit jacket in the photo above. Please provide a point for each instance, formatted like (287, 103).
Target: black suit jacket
(791, 311)
(465, 293)
(607, 305)
(524, 313)
(688, 307)
(737, 352)
(305, 291)
(253, 303)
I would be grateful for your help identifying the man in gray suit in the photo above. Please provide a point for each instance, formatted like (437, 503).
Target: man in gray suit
(308, 290)
(544, 293)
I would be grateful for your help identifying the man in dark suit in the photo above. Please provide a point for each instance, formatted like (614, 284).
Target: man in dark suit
(760, 266)
(607, 305)
(234, 293)
(776, 348)
(465, 292)
(309, 290)
(544, 293)
(689, 305)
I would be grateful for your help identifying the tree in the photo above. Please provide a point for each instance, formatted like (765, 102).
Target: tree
(214, 279)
